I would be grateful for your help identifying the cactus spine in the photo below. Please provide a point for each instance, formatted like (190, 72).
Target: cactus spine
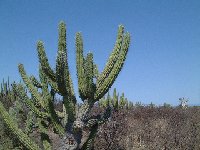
(76, 129)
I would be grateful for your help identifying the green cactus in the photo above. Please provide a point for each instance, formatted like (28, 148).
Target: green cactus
(115, 99)
(122, 101)
(76, 129)
(8, 99)
(6, 93)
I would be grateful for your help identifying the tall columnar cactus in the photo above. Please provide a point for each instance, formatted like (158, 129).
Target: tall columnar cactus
(74, 125)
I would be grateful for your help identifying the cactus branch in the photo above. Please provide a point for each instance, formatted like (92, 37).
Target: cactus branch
(44, 61)
(101, 90)
(113, 57)
(31, 145)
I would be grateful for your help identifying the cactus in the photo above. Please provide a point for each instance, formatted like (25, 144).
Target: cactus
(8, 99)
(122, 101)
(74, 125)
(7, 95)
(166, 105)
(115, 99)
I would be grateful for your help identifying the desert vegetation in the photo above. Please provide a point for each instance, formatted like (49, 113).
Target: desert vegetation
(139, 127)
(32, 117)
(151, 128)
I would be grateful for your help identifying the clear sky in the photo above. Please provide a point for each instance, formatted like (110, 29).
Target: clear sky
(163, 62)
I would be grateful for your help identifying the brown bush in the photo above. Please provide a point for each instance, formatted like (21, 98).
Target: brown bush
(151, 128)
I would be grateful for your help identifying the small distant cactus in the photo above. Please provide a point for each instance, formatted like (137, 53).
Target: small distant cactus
(6, 93)
(166, 105)
(74, 126)
(152, 105)
(122, 101)
(114, 102)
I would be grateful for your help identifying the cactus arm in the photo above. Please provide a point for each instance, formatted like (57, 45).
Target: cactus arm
(115, 71)
(44, 84)
(63, 77)
(62, 45)
(61, 61)
(60, 73)
(29, 122)
(85, 71)
(54, 118)
(46, 102)
(89, 73)
(64, 81)
(70, 89)
(50, 109)
(113, 57)
(44, 135)
(22, 95)
(50, 75)
(28, 143)
(80, 66)
(69, 108)
(35, 82)
(53, 85)
(73, 97)
(13, 114)
(30, 86)
(59, 129)
(49, 98)
(44, 61)
(65, 116)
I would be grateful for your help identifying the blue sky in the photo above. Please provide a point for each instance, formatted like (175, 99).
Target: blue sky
(163, 62)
